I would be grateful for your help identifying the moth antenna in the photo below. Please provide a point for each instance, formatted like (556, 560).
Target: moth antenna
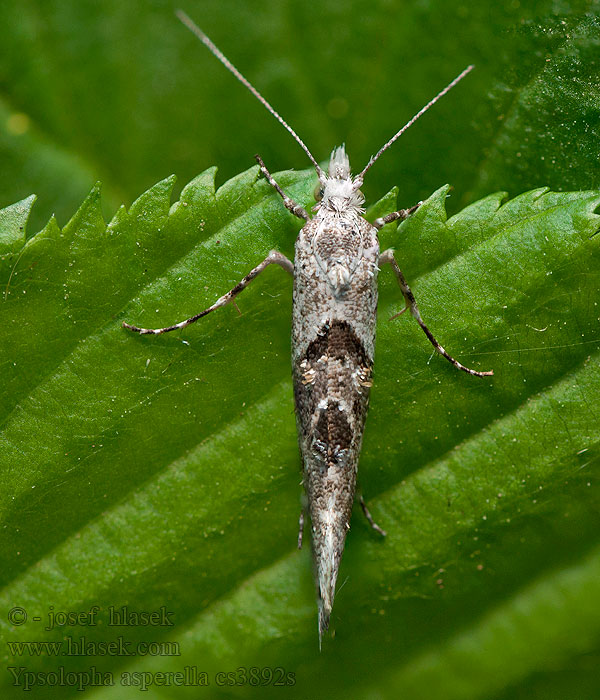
(190, 24)
(422, 111)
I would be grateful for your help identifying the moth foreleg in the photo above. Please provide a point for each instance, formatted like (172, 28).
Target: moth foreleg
(288, 203)
(394, 216)
(411, 304)
(369, 517)
(273, 258)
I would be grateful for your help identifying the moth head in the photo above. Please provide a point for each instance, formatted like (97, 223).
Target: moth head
(336, 189)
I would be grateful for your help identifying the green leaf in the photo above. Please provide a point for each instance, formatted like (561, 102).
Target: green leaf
(164, 471)
(13, 224)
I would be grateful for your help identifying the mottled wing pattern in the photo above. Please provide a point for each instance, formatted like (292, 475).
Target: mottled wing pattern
(337, 252)
(335, 300)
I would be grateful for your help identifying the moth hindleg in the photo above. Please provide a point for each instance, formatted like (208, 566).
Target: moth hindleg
(273, 258)
(301, 527)
(369, 517)
(411, 304)
(288, 202)
(394, 216)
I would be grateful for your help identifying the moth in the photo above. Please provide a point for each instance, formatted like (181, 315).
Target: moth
(336, 262)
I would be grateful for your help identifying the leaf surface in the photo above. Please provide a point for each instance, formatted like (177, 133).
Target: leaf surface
(163, 471)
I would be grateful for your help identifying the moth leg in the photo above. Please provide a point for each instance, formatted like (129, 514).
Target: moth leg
(273, 258)
(394, 216)
(300, 528)
(411, 304)
(369, 517)
(288, 203)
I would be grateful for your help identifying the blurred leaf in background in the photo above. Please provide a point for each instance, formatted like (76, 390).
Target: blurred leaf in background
(163, 471)
(121, 92)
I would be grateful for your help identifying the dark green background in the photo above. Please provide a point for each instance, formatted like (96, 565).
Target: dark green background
(121, 92)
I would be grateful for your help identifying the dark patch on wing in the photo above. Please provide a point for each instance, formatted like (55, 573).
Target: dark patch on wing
(334, 431)
(339, 341)
(330, 431)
